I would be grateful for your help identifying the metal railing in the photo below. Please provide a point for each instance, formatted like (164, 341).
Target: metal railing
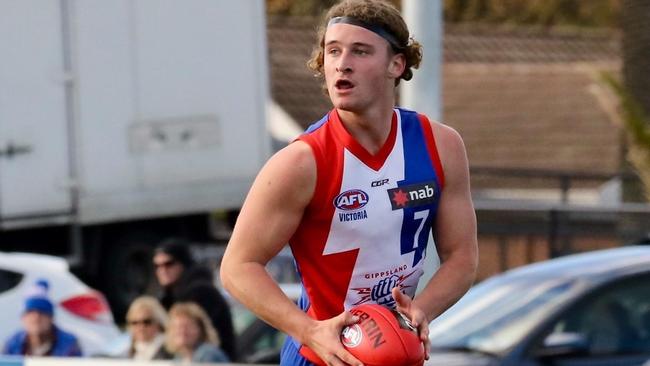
(564, 180)
(557, 223)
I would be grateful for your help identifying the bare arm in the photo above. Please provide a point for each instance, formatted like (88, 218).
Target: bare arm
(455, 229)
(269, 217)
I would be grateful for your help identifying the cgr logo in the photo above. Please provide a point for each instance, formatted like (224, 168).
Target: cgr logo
(353, 199)
(379, 183)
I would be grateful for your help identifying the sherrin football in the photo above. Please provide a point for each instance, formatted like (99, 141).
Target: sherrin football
(382, 337)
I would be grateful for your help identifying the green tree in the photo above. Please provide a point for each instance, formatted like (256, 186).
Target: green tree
(637, 136)
(635, 24)
(303, 7)
(636, 86)
(593, 13)
(298, 7)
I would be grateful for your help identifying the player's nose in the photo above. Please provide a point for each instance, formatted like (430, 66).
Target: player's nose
(343, 63)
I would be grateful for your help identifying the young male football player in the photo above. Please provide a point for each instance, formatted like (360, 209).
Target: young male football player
(356, 197)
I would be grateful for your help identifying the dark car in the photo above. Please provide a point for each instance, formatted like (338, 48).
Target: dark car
(583, 309)
(258, 342)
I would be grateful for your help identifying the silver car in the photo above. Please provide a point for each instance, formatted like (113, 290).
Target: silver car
(583, 309)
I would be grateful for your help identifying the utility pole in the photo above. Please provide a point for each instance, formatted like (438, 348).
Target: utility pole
(423, 92)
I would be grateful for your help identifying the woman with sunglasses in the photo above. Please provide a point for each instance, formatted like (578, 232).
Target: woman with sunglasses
(146, 321)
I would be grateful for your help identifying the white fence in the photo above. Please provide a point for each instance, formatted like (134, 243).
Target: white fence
(84, 361)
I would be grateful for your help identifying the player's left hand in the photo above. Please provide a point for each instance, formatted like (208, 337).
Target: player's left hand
(417, 317)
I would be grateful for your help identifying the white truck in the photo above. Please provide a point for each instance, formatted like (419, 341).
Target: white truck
(125, 122)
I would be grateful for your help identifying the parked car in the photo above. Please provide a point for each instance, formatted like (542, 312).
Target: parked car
(258, 342)
(78, 308)
(584, 309)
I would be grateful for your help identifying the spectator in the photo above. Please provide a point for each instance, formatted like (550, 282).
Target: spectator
(191, 337)
(146, 321)
(182, 280)
(40, 336)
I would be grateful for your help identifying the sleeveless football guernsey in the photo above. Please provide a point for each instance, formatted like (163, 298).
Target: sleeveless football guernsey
(366, 228)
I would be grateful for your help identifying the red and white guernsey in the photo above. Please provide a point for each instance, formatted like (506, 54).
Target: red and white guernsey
(366, 228)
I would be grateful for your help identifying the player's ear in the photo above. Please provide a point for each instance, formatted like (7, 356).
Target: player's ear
(397, 65)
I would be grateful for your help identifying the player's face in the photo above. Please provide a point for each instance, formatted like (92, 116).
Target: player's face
(360, 69)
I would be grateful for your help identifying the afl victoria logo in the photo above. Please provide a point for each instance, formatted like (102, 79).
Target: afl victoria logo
(353, 199)
(351, 335)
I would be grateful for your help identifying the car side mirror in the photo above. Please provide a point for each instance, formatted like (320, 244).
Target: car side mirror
(563, 344)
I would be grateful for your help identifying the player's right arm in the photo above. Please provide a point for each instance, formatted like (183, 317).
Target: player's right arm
(269, 217)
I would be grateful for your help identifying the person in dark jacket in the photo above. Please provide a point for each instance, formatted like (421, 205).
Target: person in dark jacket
(40, 336)
(182, 280)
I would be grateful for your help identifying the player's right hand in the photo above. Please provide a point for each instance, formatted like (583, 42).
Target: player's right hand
(324, 338)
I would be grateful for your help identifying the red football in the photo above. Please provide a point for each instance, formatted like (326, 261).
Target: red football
(382, 337)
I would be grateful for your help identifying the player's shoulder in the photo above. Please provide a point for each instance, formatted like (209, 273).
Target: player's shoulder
(450, 145)
(295, 161)
(290, 172)
(443, 133)
(297, 154)
(446, 133)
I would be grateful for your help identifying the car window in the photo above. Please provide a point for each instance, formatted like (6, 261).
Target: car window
(497, 313)
(9, 280)
(613, 321)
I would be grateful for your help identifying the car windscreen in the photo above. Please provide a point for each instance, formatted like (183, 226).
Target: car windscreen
(494, 315)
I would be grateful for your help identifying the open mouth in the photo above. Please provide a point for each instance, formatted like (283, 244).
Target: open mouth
(342, 84)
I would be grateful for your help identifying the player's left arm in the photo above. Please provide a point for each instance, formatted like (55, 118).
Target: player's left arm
(455, 237)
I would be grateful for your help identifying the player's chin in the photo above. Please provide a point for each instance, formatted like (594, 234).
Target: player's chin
(347, 105)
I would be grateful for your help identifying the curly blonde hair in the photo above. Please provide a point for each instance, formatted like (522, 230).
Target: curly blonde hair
(376, 12)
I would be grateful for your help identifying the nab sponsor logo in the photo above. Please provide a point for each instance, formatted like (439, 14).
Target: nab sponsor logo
(412, 195)
(351, 200)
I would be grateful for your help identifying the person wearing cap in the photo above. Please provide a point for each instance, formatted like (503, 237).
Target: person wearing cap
(183, 280)
(40, 336)
(356, 197)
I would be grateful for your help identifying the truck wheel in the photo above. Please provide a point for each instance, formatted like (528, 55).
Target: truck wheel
(127, 272)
